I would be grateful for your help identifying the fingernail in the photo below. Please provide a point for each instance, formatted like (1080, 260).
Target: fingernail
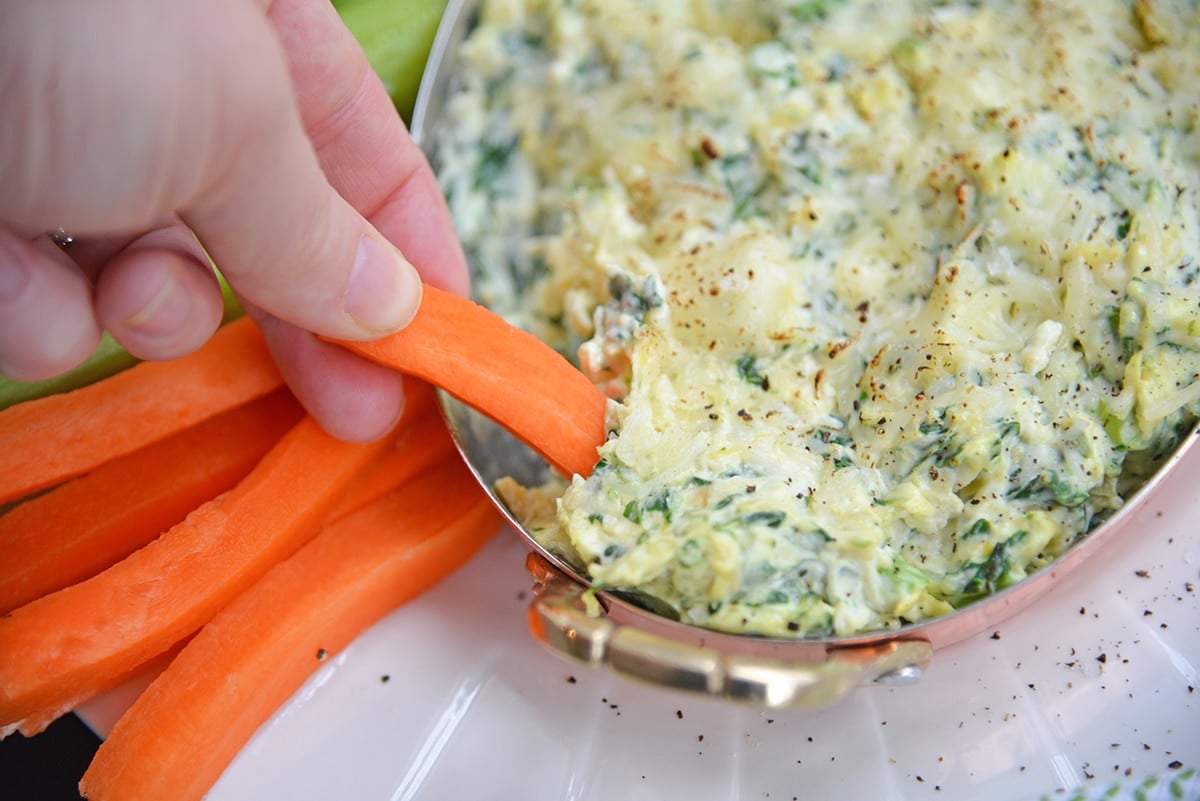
(165, 311)
(384, 288)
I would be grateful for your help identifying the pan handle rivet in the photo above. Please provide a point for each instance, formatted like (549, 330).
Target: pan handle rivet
(900, 677)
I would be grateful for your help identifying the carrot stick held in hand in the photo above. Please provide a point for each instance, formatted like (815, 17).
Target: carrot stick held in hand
(504, 372)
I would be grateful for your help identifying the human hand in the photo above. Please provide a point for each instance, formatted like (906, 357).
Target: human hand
(255, 127)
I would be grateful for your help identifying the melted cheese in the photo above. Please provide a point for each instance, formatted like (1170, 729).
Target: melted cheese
(890, 293)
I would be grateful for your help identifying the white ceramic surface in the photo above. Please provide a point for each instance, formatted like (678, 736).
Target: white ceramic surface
(1097, 685)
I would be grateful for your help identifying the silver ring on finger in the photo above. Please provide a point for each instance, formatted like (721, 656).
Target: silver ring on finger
(60, 237)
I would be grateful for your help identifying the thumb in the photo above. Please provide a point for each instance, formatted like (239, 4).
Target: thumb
(282, 236)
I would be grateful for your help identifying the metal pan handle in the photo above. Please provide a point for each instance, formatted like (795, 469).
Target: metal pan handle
(564, 617)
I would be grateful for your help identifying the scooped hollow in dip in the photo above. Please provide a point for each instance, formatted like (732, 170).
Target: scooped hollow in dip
(898, 300)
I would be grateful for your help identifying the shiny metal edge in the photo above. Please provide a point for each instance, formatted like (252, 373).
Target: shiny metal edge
(561, 618)
(431, 93)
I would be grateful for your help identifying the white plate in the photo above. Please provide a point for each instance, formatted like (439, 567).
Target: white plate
(1098, 684)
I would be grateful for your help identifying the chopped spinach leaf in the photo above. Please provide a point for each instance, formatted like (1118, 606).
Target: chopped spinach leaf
(772, 519)
(747, 368)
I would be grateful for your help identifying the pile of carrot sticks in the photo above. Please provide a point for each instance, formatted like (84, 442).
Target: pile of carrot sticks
(190, 514)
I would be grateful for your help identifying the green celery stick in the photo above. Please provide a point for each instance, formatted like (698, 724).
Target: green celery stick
(397, 36)
(108, 358)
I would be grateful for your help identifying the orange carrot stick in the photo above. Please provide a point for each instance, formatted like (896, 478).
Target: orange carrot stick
(51, 439)
(421, 443)
(181, 733)
(88, 523)
(504, 372)
(68, 646)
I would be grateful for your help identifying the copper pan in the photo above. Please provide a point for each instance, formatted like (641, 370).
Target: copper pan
(603, 630)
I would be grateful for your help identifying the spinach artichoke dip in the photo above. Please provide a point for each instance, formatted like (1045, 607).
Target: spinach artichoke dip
(895, 300)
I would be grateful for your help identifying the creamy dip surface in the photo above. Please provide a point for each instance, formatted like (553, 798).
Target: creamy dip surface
(894, 299)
